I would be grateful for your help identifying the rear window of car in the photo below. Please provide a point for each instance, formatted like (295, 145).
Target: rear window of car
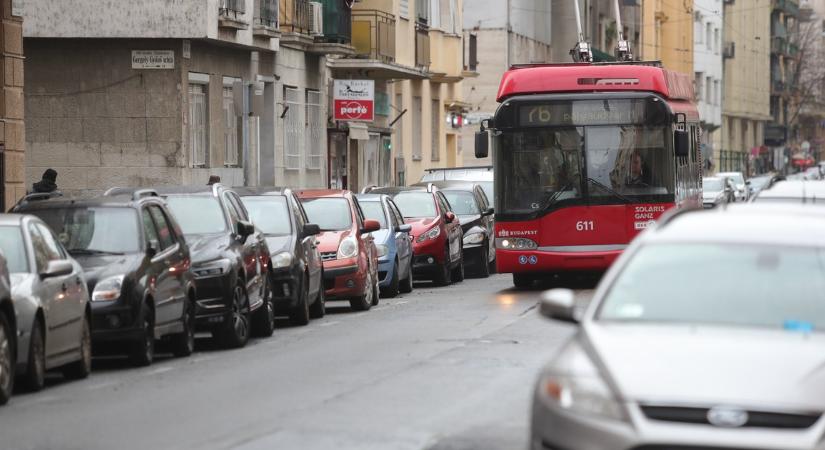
(11, 243)
(197, 214)
(330, 214)
(415, 204)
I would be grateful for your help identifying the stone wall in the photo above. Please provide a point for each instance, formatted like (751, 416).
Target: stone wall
(12, 130)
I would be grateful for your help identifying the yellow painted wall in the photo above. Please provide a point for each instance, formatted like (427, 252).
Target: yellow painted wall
(667, 33)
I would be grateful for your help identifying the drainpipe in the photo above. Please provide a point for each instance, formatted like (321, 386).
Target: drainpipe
(245, 140)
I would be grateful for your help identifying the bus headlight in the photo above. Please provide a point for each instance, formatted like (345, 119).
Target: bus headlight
(516, 244)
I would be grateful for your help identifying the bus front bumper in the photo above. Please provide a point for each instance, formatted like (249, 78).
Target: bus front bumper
(558, 259)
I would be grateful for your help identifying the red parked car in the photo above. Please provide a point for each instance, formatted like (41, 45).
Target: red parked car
(347, 249)
(436, 232)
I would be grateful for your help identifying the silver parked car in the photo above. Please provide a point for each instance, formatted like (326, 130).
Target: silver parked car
(668, 357)
(743, 191)
(717, 191)
(50, 299)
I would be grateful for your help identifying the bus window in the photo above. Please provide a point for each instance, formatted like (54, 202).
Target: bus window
(632, 160)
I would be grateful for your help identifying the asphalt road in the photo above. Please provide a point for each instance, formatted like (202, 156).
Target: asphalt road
(441, 368)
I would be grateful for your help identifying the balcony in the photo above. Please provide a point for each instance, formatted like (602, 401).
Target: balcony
(231, 14)
(791, 8)
(373, 37)
(793, 50)
(266, 23)
(295, 16)
(778, 88)
(779, 45)
(337, 22)
(422, 47)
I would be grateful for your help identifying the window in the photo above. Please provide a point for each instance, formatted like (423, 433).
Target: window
(94, 230)
(315, 130)
(293, 128)
(472, 53)
(197, 124)
(697, 87)
(11, 243)
(435, 13)
(404, 9)
(416, 123)
(717, 96)
(716, 45)
(45, 246)
(167, 239)
(709, 36)
(149, 229)
(435, 131)
(399, 133)
(708, 89)
(234, 214)
(330, 214)
(269, 213)
(230, 128)
(197, 214)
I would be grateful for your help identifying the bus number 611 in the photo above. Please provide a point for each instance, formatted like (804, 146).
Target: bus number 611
(584, 225)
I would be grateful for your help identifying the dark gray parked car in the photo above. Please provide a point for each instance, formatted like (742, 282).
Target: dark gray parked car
(51, 302)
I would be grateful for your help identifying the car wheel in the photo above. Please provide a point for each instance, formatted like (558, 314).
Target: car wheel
(183, 344)
(492, 266)
(6, 359)
(319, 306)
(376, 291)
(143, 351)
(523, 281)
(235, 333)
(82, 368)
(458, 272)
(263, 324)
(392, 290)
(364, 302)
(407, 284)
(36, 366)
(484, 264)
(444, 276)
(300, 315)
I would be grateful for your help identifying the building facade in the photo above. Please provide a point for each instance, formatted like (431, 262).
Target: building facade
(667, 33)
(708, 58)
(150, 93)
(811, 111)
(12, 129)
(784, 53)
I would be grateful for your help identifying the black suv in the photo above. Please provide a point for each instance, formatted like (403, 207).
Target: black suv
(230, 260)
(136, 265)
(297, 271)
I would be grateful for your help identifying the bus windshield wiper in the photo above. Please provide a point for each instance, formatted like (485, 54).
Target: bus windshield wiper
(555, 196)
(91, 251)
(610, 190)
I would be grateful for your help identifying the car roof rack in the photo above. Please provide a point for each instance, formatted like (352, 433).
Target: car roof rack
(36, 196)
(436, 169)
(140, 193)
(136, 194)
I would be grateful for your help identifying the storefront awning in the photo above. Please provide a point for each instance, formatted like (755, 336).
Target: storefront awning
(358, 131)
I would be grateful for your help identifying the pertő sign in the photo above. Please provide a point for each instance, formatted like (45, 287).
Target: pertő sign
(153, 59)
(354, 100)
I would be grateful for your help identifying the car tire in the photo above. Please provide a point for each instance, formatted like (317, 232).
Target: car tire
(35, 376)
(492, 266)
(319, 307)
(458, 272)
(83, 367)
(407, 284)
(235, 333)
(523, 281)
(484, 263)
(143, 351)
(263, 322)
(391, 291)
(183, 344)
(444, 276)
(300, 314)
(376, 291)
(364, 302)
(6, 359)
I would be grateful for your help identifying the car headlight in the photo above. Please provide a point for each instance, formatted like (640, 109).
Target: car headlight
(348, 248)
(430, 234)
(382, 250)
(572, 382)
(516, 244)
(474, 238)
(212, 268)
(108, 289)
(281, 260)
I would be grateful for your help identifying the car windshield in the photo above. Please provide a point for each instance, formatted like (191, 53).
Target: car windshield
(197, 214)
(415, 204)
(330, 214)
(462, 202)
(669, 283)
(712, 184)
(269, 213)
(374, 210)
(11, 243)
(84, 230)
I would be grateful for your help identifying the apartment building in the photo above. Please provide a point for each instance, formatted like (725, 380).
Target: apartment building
(708, 55)
(12, 129)
(667, 33)
(784, 58)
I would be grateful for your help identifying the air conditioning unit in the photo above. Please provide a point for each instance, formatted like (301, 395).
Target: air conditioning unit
(729, 51)
(316, 27)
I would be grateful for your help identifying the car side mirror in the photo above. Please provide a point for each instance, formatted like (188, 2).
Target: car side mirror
(370, 225)
(57, 268)
(152, 248)
(748, 182)
(488, 212)
(405, 228)
(449, 217)
(559, 304)
(482, 144)
(681, 143)
(245, 229)
(311, 229)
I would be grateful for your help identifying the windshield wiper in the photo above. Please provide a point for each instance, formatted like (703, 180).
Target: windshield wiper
(554, 197)
(91, 251)
(610, 190)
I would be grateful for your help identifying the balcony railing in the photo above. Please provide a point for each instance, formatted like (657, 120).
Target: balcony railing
(266, 13)
(337, 21)
(295, 16)
(233, 9)
(373, 34)
(422, 47)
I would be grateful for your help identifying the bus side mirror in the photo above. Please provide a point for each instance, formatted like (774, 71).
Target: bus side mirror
(681, 142)
(482, 144)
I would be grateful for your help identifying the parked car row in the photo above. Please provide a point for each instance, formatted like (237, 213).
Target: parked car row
(138, 267)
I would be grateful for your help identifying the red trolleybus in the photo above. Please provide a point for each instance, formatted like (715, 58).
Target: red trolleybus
(585, 157)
